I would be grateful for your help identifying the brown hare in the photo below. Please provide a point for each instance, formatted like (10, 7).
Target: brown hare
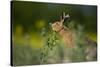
(66, 34)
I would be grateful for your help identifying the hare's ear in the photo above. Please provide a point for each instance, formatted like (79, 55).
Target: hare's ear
(62, 21)
(67, 16)
(63, 17)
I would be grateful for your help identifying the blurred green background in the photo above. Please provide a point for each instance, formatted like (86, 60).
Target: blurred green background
(30, 20)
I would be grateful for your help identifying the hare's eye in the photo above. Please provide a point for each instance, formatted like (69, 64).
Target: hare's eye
(57, 23)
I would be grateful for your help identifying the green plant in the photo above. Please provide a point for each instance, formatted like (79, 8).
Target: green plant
(51, 42)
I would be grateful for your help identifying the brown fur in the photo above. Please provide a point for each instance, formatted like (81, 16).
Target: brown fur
(66, 34)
